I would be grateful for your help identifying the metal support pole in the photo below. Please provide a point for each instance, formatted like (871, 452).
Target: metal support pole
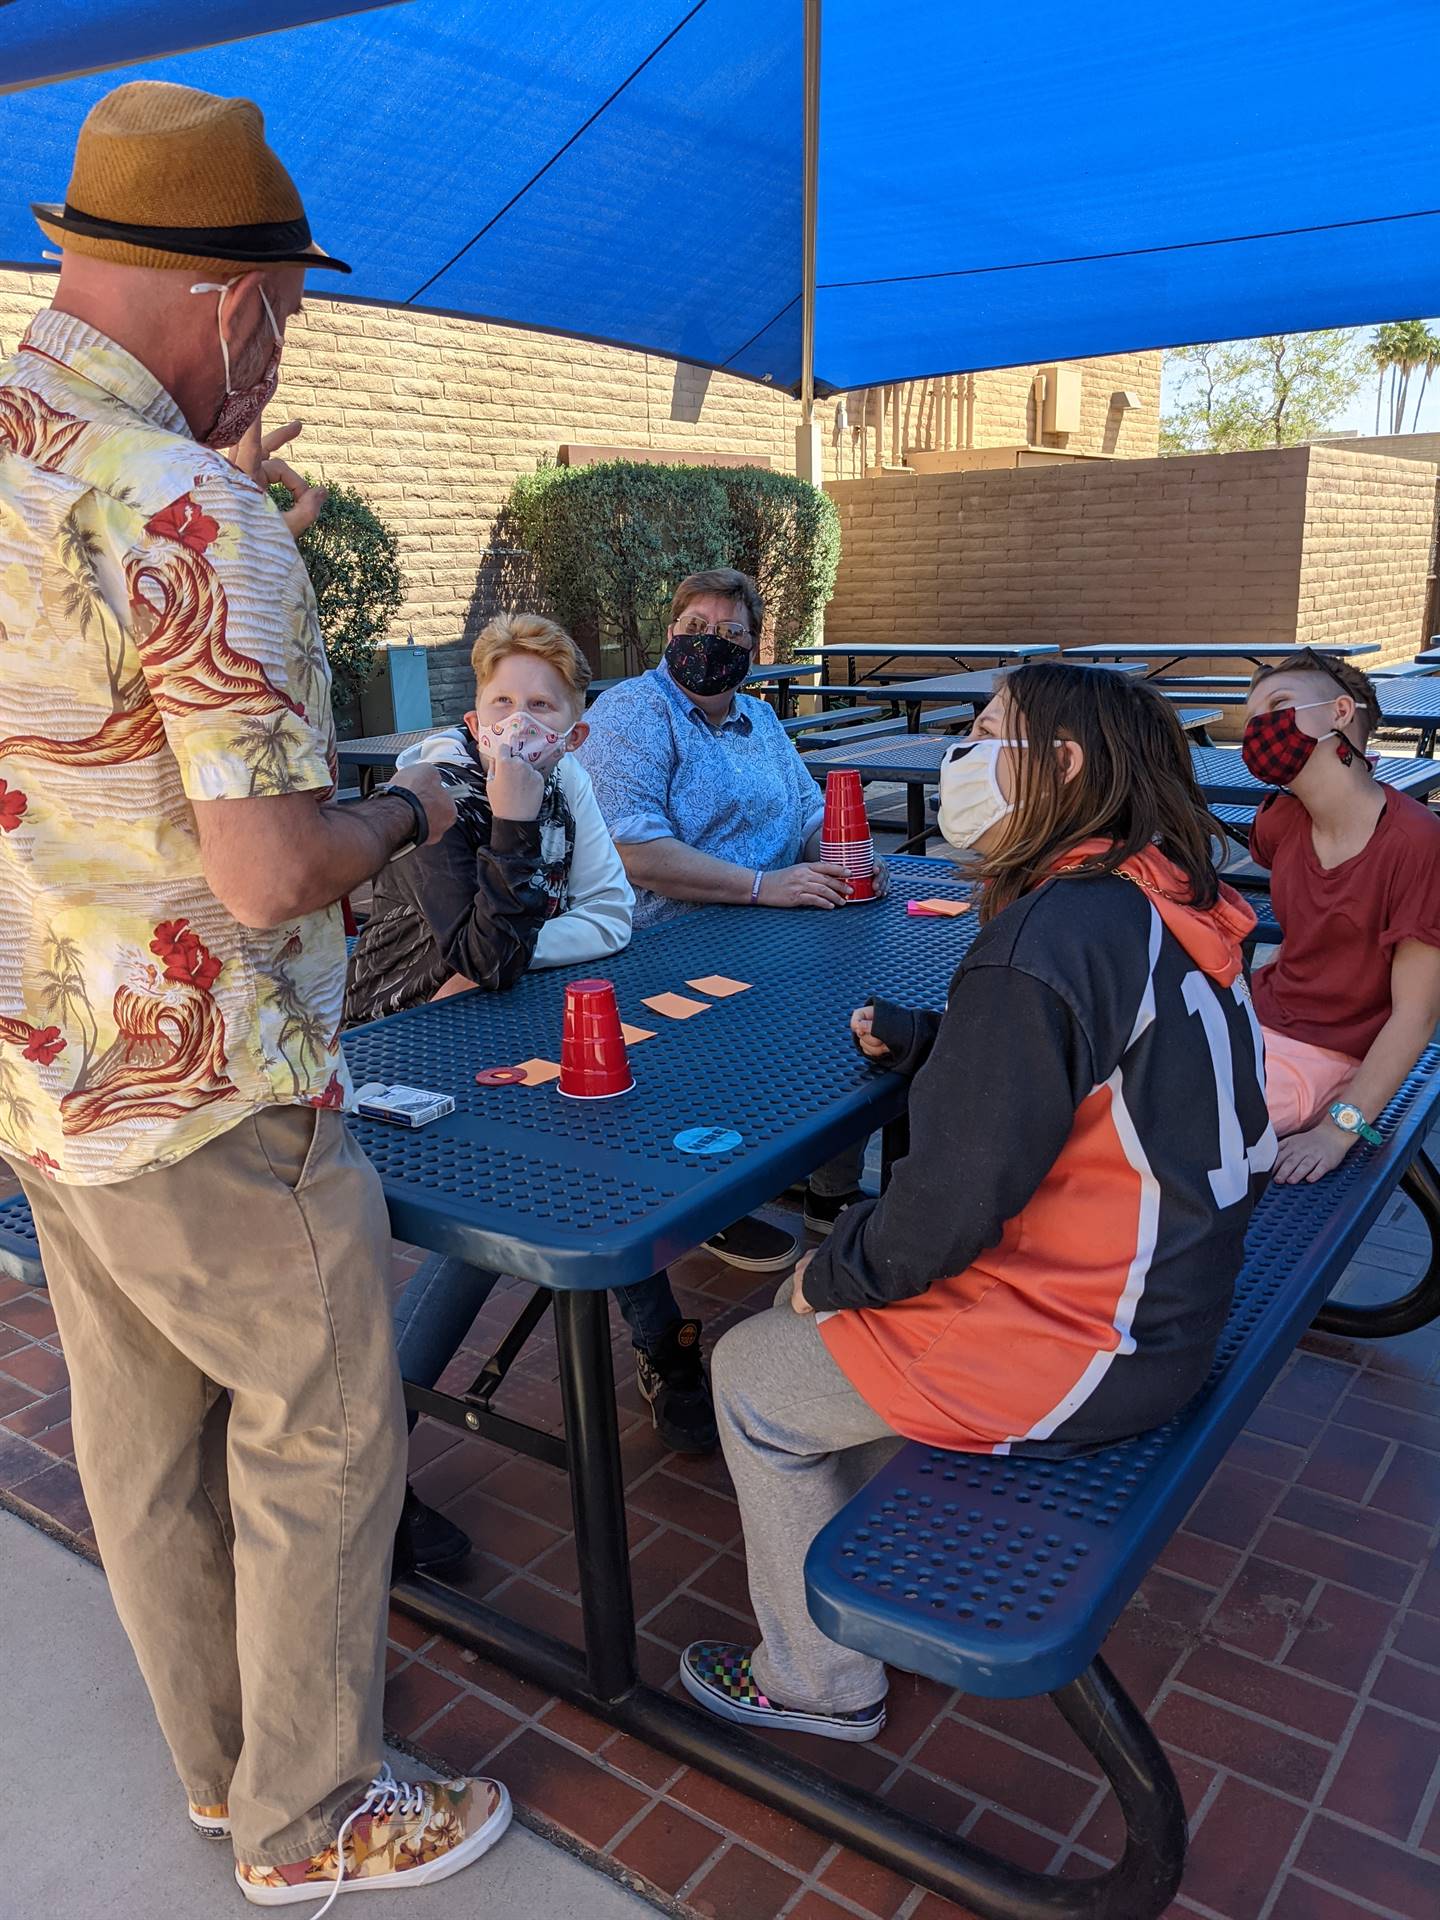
(1421, 1304)
(597, 1491)
(808, 461)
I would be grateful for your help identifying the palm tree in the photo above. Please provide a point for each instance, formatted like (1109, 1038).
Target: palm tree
(264, 746)
(63, 995)
(1429, 364)
(1399, 347)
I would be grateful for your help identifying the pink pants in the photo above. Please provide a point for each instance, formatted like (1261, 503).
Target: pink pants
(1301, 1082)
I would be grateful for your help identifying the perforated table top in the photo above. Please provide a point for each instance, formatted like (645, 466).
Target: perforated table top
(1002, 1575)
(379, 749)
(597, 1194)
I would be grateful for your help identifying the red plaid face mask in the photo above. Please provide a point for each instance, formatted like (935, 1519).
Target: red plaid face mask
(1277, 751)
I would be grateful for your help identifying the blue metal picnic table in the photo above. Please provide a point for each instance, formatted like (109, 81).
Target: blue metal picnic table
(1163, 654)
(581, 1197)
(961, 652)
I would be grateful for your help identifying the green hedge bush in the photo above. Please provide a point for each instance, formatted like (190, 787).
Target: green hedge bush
(611, 542)
(353, 560)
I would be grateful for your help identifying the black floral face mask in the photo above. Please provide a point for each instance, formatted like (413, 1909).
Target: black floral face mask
(706, 662)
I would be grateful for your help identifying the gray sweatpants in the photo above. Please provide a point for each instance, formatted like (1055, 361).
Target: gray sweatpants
(799, 1442)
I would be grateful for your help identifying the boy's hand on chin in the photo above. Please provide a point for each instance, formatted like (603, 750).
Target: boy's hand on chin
(1310, 1156)
(514, 789)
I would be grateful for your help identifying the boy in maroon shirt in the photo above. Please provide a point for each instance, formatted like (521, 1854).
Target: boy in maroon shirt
(1353, 996)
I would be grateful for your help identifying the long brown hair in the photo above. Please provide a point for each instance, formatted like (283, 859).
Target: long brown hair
(1136, 787)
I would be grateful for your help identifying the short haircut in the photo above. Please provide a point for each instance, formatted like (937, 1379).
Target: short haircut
(729, 584)
(1359, 686)
(511, 633)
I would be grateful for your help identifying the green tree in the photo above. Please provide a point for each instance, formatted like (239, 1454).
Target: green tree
(1401, 348)
(353, 560)
(1272, 392)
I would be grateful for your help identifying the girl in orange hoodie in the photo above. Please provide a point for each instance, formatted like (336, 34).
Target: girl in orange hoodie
(1051, 1264)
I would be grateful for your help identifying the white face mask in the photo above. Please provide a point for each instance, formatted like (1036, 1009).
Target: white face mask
(521, 736)
(971, 801)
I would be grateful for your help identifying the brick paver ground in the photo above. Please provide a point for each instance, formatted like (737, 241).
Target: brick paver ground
(1287, 1647)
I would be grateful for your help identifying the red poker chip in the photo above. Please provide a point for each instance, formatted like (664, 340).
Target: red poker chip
(500, 1077)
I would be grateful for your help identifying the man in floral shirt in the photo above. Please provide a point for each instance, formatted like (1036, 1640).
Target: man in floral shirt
(171, 972)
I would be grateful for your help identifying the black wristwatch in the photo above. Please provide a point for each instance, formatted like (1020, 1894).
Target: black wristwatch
(420, 830)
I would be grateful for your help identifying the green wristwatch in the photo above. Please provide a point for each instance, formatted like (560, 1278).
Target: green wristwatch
(1349, 1119)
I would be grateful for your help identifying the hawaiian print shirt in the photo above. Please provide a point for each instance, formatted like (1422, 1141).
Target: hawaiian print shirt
(160, 645)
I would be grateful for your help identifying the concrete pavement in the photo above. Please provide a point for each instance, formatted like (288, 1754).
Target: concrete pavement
(92, 1822)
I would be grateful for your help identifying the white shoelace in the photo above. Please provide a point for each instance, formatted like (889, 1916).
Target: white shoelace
(386, 1796)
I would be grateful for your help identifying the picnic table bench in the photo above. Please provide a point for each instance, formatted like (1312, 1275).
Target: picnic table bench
(1002, 1575)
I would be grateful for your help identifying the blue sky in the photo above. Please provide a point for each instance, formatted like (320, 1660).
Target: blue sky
(1361, 412)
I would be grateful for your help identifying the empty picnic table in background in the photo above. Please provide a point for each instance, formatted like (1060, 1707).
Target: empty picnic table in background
(960, 653)
(1168, 654)
(913, 761)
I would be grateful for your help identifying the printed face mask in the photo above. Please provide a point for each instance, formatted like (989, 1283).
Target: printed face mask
(520, 736)
(1277, 751)
(970, 798)
(240, 410)
(706, 662)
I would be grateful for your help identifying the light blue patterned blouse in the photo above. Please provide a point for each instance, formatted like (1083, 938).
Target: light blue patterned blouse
(739, 791)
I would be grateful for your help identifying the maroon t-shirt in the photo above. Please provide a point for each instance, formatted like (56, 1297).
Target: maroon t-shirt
(1330, 983)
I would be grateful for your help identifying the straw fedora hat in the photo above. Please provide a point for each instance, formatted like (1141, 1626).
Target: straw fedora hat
(167, 176)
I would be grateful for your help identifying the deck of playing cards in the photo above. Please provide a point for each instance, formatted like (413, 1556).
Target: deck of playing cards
(401, 1106)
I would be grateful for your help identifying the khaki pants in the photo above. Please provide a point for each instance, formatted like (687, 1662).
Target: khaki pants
(257, 1269)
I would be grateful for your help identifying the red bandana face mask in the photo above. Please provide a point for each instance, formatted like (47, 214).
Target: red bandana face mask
(1277, 751)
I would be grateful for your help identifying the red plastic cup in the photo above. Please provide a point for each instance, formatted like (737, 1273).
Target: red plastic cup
(594, 1064)
(845, 840)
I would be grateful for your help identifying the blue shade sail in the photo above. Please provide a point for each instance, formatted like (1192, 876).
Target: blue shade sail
(996, 187)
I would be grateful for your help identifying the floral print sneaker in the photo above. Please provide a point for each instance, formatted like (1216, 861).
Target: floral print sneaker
(717, 1674)
(212, 1821)
(402, 1835)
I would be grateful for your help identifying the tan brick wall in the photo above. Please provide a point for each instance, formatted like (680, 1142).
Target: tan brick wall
(1369, 524)
(1130, 551)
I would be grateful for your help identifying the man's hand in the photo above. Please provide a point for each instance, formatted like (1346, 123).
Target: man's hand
(798, 1301)
(424, 781)
(514, 789)
(1310, 1156)
(257, 458)
(809, 885)
(862, 1025)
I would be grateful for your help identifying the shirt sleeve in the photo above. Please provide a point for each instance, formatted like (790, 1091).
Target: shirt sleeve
(1414, 905)
(597, 921)
(990, 1111)
(630, 757)
(484, 906)
(225, 629)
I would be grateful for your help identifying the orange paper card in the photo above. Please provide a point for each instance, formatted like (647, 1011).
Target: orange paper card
(537, 1072)
(942, 907)
(718, 986)
(674, 1006)
(632, 1036)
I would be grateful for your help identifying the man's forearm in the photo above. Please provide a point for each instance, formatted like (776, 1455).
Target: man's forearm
(272, 860)
(1393, 1052)
(679, 872)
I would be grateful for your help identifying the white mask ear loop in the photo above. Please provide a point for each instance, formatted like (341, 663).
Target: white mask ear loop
(222, 287)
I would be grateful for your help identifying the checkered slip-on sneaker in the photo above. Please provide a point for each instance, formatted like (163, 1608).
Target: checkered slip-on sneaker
(213, 1822)
(403, 1834)
(717, 1674)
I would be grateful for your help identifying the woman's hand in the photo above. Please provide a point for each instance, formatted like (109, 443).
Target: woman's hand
(810, 885)
(862, 1025)
(1310, 1156)
(514, 789)
(798, 1302)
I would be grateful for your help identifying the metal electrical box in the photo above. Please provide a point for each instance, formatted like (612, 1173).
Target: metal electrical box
(397, 700)
(1061, 413)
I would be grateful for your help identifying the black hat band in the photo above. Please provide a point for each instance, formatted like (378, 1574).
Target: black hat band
(268, 240)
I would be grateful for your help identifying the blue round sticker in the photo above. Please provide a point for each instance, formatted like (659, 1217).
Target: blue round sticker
(708, 1140)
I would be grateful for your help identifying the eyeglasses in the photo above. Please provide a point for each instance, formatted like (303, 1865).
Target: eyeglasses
(695, 629)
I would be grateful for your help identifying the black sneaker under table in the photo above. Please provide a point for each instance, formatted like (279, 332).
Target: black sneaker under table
(822, 1210)
(755, 1246)
(717, 1674)
(425, 1541)
(671, 1378)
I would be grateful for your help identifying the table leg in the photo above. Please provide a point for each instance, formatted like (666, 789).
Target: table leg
(597, 1490)
(917, 823)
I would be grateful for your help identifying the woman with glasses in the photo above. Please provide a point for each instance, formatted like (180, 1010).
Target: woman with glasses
(1051, 1264)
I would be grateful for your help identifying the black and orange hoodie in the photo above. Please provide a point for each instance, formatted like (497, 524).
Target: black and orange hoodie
(1052, 1262)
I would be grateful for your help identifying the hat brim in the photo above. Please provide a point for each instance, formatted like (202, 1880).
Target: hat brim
(174, 246)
